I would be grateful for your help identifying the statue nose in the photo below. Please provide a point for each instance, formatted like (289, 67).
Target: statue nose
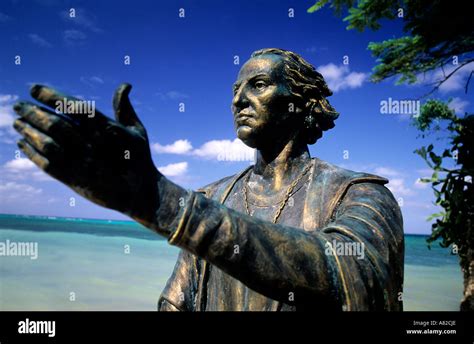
(240, 100)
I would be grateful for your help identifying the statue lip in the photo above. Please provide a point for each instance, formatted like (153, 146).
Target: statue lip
(244, 114)
(243, 119)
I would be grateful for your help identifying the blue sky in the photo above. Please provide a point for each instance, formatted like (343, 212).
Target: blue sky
(190, 61)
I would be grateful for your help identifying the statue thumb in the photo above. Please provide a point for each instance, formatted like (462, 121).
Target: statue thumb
(124, 112)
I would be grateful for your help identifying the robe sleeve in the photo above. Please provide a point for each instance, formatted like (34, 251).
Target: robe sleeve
(301, 268)
(180, 291)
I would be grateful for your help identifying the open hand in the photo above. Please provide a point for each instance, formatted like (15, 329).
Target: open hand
(106, 161)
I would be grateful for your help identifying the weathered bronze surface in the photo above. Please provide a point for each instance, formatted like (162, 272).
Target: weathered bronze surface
(289, 233)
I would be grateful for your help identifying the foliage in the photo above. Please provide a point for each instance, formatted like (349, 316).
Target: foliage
(453, 187)
(438, 31)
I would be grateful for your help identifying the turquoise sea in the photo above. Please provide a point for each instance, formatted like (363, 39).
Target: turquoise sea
(119, 265)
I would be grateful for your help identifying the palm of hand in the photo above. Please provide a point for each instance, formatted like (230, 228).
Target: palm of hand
(106, 161)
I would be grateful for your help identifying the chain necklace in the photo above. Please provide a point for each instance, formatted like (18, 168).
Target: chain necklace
(287, 194)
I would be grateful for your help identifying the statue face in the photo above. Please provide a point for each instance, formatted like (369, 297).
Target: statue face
(261, 103)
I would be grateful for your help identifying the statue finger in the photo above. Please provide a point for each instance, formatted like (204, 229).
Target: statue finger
(42, 143)
(81, 111)
(33, 155)
(46, 121)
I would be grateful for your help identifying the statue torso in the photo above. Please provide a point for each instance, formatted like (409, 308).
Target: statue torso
(227, 293)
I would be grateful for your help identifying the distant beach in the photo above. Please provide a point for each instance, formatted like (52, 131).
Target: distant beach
(119, 265)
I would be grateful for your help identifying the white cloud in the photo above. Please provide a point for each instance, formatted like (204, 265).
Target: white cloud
(386, 172)
(41, 176)
(425, 172)
(177, 147)
(354, 80)
(7, 116)
(96, 79)
(314, 49)
(421, 205)
(419, 184)
(74, 37)
(82, 18)
(174, 170)
(225, 150)
(458, 105)
(19, 165)
(340, 77)
(172, 95)
(39, 41)
(398, 187)
(396, 180)
(221, 150)
(24, 169)
(456, 82)
(12, 191)
(7, 98)
(92, 81)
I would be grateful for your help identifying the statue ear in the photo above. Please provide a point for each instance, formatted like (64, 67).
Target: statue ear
(312, 107)
(325, 114)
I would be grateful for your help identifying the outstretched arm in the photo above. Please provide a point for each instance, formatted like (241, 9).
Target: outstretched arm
(104, 160)
(109, 163)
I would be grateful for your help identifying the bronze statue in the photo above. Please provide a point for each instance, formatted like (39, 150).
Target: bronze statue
(288, 233)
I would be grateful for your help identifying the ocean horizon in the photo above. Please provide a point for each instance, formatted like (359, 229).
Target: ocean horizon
(95, 264)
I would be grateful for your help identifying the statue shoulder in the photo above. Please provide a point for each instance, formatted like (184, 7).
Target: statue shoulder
(216, 189)
(327, 189)
(209, 189)
(342, 176)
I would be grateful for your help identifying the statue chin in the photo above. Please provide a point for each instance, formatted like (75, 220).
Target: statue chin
(247, 136)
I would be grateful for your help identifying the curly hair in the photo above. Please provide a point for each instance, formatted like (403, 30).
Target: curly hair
(310, 89)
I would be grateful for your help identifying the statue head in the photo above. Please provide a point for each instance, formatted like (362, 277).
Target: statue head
(279, 95)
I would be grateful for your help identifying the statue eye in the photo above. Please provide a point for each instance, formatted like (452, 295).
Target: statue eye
(235, 88)
(260, 85)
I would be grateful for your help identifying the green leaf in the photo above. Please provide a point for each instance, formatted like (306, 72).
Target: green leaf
(317, 6)
(435, 158)
(434, 216)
